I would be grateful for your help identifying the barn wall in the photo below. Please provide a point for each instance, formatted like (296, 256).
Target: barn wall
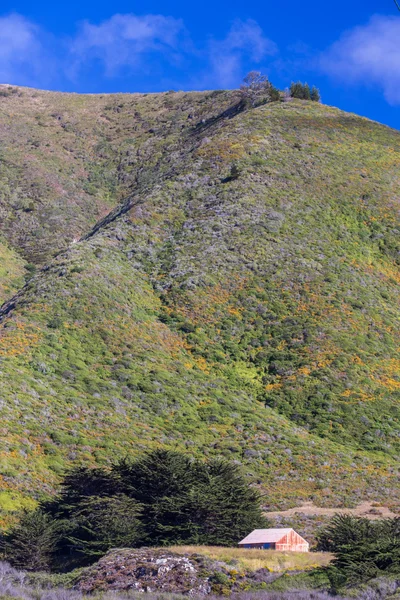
(266, 546)
(292, 547)
(293, 542)
(289, 542)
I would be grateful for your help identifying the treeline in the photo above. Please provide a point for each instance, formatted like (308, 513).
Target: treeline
(303, 91)
(363, 549)
(162, 498)
(256, 89)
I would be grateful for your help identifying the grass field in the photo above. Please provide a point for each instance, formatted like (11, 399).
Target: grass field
(252, 560)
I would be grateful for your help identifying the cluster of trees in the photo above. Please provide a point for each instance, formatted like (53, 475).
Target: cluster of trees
(363, 549)
(256, 89)
(162, 498)
(304, 92)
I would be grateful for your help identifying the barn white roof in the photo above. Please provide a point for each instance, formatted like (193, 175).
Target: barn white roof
(265, 536)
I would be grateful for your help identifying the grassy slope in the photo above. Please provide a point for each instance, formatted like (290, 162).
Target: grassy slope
(252, 318)
(252, 560)
(67, 159)
(11, 272)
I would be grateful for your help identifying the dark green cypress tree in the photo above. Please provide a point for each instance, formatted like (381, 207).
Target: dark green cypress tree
(274, 94)
(363, 549)
(314, 94)
(302, 91)
(342, 530)
(229, 507)
(189, 501)
(296, 90)
(79, 484)
(31, 542)
(162, 481)
(94, 527)
(306, 92)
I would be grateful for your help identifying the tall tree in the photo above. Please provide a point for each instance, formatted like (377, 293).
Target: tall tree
(31, 543)
(363, 549)
(230, 507)
(94, 527)
(257, 89)
(314, 94)
(190, 501)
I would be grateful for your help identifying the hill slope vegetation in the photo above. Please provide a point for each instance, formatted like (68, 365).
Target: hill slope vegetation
(237, 297)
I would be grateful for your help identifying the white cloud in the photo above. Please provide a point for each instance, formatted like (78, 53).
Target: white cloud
(146, 44)
(245, 40)
(369, 55)
(20, 50)
(122, 40)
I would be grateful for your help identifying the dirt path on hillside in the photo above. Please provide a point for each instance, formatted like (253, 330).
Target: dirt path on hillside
(365, 509)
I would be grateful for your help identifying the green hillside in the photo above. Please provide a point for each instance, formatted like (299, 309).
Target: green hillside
(12, 272)
(241, 299)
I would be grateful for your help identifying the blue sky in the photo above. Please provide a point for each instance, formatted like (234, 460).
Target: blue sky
(349, 49)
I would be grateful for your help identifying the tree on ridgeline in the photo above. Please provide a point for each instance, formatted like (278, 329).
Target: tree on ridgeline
(302, 91)
(257, 89)
(315, 95)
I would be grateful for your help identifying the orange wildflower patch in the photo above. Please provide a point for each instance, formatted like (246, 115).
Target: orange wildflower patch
(19, 339)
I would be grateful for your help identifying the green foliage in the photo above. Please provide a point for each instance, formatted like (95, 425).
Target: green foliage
(93, 526)
(302, 91)
(163, 498)
(187, 501)
(315, 95)
(343, 529)
(11, 271)
(31, 543)
(274, 94)
(363, 549)
(234, 174)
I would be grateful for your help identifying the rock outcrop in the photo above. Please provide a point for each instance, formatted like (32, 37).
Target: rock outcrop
(148, 570)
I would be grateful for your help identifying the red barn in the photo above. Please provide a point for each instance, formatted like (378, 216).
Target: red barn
(275, 539)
